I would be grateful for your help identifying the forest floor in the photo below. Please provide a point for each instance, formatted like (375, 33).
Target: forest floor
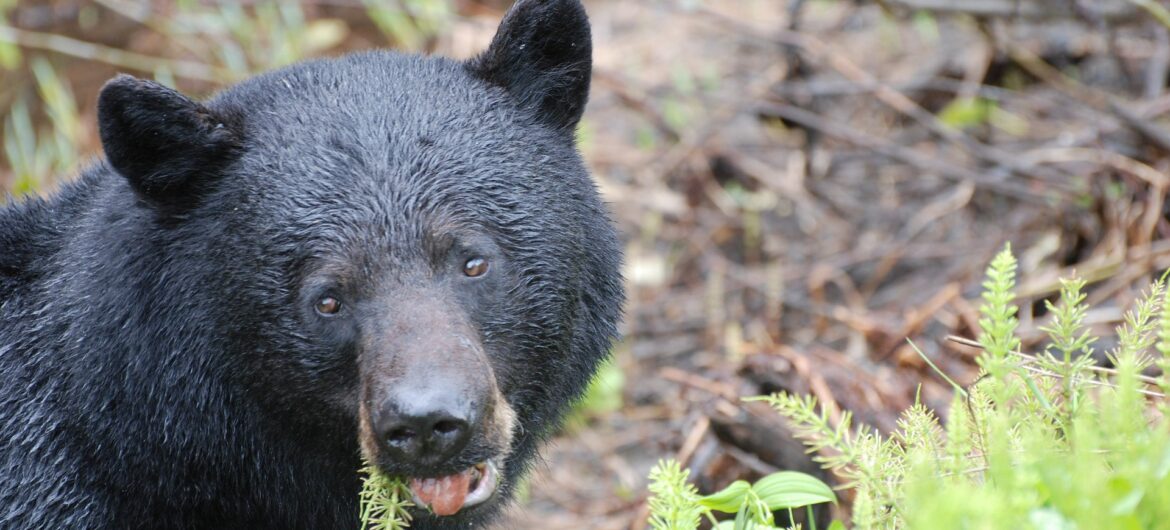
(799, 199)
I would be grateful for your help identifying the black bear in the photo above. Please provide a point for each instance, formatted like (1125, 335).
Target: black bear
(380, 256)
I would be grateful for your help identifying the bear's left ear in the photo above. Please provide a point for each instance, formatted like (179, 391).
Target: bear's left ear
(168, 147)
(542, 55)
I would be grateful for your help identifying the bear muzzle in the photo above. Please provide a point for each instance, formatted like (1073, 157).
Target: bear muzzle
(431, 412)
(451, 450)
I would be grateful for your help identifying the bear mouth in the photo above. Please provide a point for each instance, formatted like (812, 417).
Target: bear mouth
(450, 494)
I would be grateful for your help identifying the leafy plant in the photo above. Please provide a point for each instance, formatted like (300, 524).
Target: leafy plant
(384, 501)
(1037, 442)
(675, 504)
(41, 138)
(411, 22)
(35, 154)
(604, 394)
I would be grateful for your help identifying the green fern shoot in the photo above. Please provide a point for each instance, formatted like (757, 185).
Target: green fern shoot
(1050, 441)
(384, 501)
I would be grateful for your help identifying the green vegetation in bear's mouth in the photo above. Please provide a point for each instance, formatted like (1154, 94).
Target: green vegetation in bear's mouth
(384, 500)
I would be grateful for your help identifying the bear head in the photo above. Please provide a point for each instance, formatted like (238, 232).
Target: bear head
(403, 257)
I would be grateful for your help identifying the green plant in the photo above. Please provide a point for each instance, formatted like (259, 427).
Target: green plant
(411, 22)
(42, 138)
(37, 155)
(603, 395)
(675, 504)
(1037, 442)
(384, 501)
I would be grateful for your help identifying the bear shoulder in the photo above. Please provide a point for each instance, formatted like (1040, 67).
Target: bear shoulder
(32, 230)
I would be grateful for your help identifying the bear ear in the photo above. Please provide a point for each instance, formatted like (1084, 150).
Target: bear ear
(167, 146)
(542, 55)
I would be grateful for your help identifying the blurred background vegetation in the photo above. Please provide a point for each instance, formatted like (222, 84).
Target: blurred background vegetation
(802, 185)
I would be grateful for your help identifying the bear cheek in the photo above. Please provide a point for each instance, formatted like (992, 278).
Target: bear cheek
(501, 425)
(366, 437)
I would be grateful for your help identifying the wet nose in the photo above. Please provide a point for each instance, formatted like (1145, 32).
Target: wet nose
(422, 430)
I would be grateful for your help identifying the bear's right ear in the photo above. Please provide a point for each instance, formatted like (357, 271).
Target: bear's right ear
(542, 55)
(167, 146)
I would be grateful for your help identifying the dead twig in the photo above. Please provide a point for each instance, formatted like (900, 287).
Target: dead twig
(904, 154)
(112, 56)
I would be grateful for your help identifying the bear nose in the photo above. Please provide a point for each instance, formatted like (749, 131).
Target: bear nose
(430, 434)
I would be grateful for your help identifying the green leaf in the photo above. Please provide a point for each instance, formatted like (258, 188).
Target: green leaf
(1128, 496)
(791, 489)
(966, 112)
(729, 499)
(730, 525)
(743, 521)
(9, 56)
(1049, 519)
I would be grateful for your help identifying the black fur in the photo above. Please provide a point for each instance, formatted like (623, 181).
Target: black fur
(542, 55)
(167, 146)
(161, 366)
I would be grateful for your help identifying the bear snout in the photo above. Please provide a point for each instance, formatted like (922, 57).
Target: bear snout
(427, 426)
(430, 403)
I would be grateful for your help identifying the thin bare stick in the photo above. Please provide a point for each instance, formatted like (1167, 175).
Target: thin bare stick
(112, 56)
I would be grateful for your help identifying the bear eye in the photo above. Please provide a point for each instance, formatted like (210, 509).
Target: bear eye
(475, 267)
(327, 306)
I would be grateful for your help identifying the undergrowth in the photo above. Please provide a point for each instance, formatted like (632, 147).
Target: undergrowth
(1043, 441)
(675, 504)
(203, 44)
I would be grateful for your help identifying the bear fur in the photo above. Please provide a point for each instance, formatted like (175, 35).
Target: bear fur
(161, 361)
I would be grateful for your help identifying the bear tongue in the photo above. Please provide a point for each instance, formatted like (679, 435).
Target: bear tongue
(445, 495)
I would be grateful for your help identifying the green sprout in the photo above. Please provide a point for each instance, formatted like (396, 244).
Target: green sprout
(384, 501)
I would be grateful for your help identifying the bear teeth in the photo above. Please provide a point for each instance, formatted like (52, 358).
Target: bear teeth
(486, 480)
(476, 475)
